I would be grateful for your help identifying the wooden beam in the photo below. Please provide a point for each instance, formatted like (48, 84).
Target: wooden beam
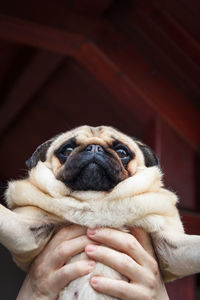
(163, 41)
(35, 74)
(171, 40)
(83, 50)
(186, 12)
(119, 67)
(40, 36)
(180, 36)
(56, 14)
(155, 89)
(168, 99)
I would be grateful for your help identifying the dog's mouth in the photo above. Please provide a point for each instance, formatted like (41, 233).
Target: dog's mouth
(87, 171)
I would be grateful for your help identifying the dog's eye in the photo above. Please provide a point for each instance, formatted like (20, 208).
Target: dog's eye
(63, 152)
(122, 151)
(66, 150)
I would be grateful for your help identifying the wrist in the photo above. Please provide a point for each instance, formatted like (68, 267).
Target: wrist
(162, 292)
(26, 291)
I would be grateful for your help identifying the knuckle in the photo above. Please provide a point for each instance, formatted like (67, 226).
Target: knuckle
(131, 244)
(65, 271)
(84, 240)
(126, 261)
(61, 249)
(78, 268)
(44, 285)
(154, 267)
(38, 270)
(151, 281)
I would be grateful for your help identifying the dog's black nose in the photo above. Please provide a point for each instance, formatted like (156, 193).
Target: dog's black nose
(94, 148)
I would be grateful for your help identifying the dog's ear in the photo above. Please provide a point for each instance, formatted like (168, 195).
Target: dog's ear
(150, 157)
(39, 154)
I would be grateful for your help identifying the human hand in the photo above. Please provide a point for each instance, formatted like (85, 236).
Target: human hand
(131, 255)
(49, 273)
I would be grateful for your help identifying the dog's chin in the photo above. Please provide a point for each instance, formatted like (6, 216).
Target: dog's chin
(92, 177)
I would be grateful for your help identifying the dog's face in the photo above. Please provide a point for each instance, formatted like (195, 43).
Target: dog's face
(93, 158)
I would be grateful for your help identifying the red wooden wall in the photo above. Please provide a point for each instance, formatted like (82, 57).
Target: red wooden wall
(129, 64)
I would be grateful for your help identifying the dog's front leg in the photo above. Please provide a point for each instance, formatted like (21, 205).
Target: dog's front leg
(15, 231)
(178, 254)
(24, 232)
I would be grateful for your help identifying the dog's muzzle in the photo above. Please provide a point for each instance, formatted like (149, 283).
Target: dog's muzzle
(92, 169)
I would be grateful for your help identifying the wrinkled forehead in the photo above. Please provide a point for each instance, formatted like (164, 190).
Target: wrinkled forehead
(85, 135)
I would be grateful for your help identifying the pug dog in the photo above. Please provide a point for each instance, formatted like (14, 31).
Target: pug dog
(94, 177)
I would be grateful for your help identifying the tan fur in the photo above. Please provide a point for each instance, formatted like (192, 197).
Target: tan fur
(41, 202)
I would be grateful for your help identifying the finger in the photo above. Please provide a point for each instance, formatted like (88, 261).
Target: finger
(119, 261)
(121, 241)
(143, 238)
(63, 252)
(119, 288)
(72, 271)
(65, 234)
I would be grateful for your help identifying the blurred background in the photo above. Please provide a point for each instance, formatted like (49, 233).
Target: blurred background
(131, 64)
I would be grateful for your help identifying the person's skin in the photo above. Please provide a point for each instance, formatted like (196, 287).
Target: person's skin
(130, 254)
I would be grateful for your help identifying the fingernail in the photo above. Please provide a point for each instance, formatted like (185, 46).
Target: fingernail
(90, 248)
(94, 280)
(92, 231)
(91, 263)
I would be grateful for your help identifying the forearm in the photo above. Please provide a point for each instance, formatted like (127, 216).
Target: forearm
(27, 291)
(162, 293)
